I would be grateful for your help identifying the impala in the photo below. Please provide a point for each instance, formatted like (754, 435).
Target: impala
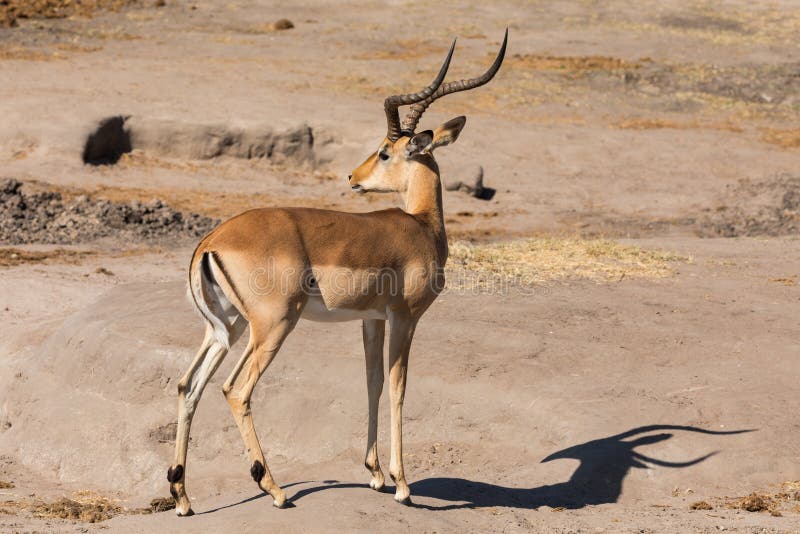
(268, 268)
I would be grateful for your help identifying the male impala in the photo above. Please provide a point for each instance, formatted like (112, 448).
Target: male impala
(270, 267)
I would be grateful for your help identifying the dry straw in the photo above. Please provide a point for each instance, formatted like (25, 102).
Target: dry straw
(543, 261)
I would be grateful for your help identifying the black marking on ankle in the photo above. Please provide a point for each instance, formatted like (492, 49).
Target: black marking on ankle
(175, 475)
(174, 493)
(257, 471)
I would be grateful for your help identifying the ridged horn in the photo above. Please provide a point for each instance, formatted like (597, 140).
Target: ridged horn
(412, 119)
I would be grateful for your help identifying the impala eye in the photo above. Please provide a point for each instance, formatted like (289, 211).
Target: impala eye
(383, 155)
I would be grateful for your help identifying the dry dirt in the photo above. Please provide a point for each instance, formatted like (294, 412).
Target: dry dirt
(45, 218)
(617, 350)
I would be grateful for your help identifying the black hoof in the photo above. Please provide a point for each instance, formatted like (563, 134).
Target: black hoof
(187, 514)
(406, 501)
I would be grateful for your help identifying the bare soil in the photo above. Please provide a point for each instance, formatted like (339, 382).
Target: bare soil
(644, 161)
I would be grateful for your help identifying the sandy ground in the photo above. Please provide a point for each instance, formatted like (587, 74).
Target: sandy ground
(585, 406)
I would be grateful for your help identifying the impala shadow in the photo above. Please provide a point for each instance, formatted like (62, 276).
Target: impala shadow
(604, 464)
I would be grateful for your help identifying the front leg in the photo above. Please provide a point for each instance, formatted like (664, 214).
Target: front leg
(401, 334)
(373, 333)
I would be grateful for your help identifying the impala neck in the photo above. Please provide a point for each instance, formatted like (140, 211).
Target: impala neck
(423, 200)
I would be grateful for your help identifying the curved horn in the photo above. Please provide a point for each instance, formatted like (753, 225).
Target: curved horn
(391, 104)
(412, 119)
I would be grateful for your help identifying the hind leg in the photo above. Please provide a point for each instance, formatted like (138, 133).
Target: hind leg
(190, 388)
(260, 352)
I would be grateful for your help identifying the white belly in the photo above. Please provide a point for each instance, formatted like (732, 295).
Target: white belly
(316, 310)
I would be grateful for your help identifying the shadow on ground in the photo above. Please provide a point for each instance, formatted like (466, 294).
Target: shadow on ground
(604, 464)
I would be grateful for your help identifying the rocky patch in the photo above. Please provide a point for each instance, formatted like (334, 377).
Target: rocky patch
(47, 217)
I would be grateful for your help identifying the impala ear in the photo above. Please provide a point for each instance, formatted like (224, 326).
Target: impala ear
(420, 143)
(448, 132)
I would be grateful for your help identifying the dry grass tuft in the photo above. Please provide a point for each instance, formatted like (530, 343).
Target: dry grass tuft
(782, 138)
(19, 53)
(700, 505)
(11, 257)
(278, 25)
(772, 502)
(162, 504)
(65, 8)
(87, 507)
(76, 48)
(537, 261)
(403, 49)
(571, 64)
(157, 505)
(647, 124)
(754, 502)
(792, 485)
(465, 31)
(656, 124)
(6, 485)
(62, 50)
(12, 10)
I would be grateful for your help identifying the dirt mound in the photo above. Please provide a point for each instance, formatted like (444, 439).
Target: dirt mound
(761, 84)
(177, 139)
(697, 21)
(120, 134)
(47, 217)
(749, 208)
(770, 207)
(11, 10)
